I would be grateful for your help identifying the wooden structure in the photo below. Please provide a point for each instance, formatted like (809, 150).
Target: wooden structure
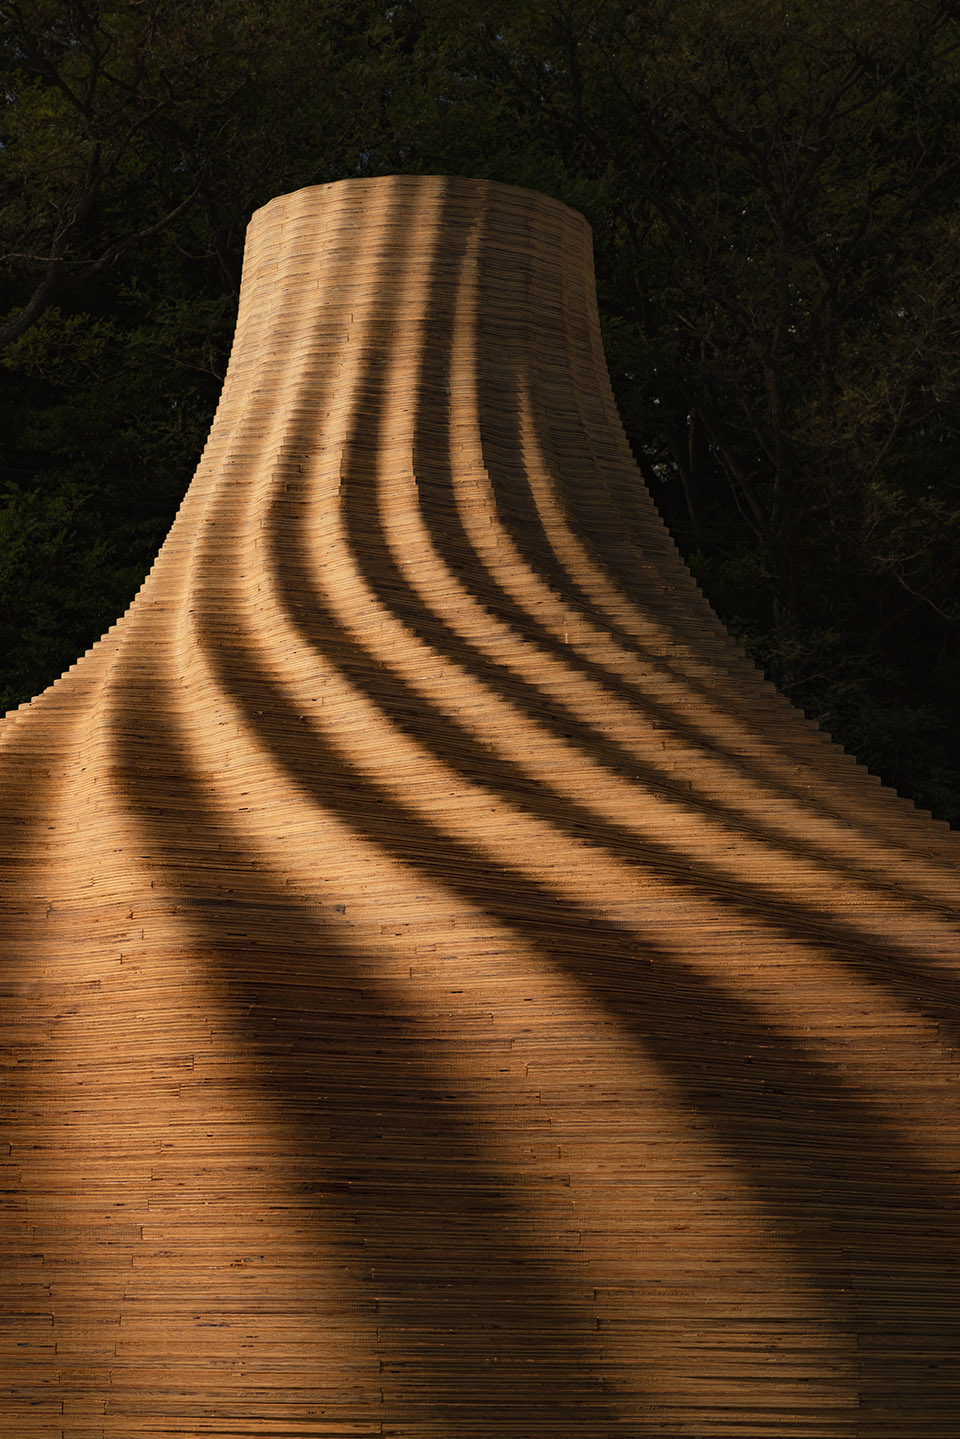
(448, 994)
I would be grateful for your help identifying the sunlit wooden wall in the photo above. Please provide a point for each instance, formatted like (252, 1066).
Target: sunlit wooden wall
(447, 993)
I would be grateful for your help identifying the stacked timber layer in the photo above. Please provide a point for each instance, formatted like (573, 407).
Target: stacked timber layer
(448, 994)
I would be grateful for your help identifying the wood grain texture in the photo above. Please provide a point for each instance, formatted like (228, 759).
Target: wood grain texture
(447, 992)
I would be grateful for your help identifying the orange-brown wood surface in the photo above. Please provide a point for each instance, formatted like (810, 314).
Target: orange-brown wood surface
(447, 992)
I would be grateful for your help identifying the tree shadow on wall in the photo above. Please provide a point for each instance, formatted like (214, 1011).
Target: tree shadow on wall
(838, 1183)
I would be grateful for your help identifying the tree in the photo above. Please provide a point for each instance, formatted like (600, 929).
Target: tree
(773, 194)
(136, 140)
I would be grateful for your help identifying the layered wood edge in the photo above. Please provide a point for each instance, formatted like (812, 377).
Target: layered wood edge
(448, 993)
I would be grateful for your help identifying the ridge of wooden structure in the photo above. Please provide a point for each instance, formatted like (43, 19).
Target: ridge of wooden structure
(448, 993)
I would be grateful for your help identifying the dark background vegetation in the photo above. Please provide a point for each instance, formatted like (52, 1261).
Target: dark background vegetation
(773, 189)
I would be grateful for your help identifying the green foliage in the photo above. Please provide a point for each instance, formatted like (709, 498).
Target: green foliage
(773, 190)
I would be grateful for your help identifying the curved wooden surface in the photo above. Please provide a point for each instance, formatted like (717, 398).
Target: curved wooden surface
(447, 992)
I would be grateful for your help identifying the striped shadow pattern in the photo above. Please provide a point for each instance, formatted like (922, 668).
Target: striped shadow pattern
(447, 992)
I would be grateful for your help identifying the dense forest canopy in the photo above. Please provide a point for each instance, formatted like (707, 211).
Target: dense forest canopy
(774, 189)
